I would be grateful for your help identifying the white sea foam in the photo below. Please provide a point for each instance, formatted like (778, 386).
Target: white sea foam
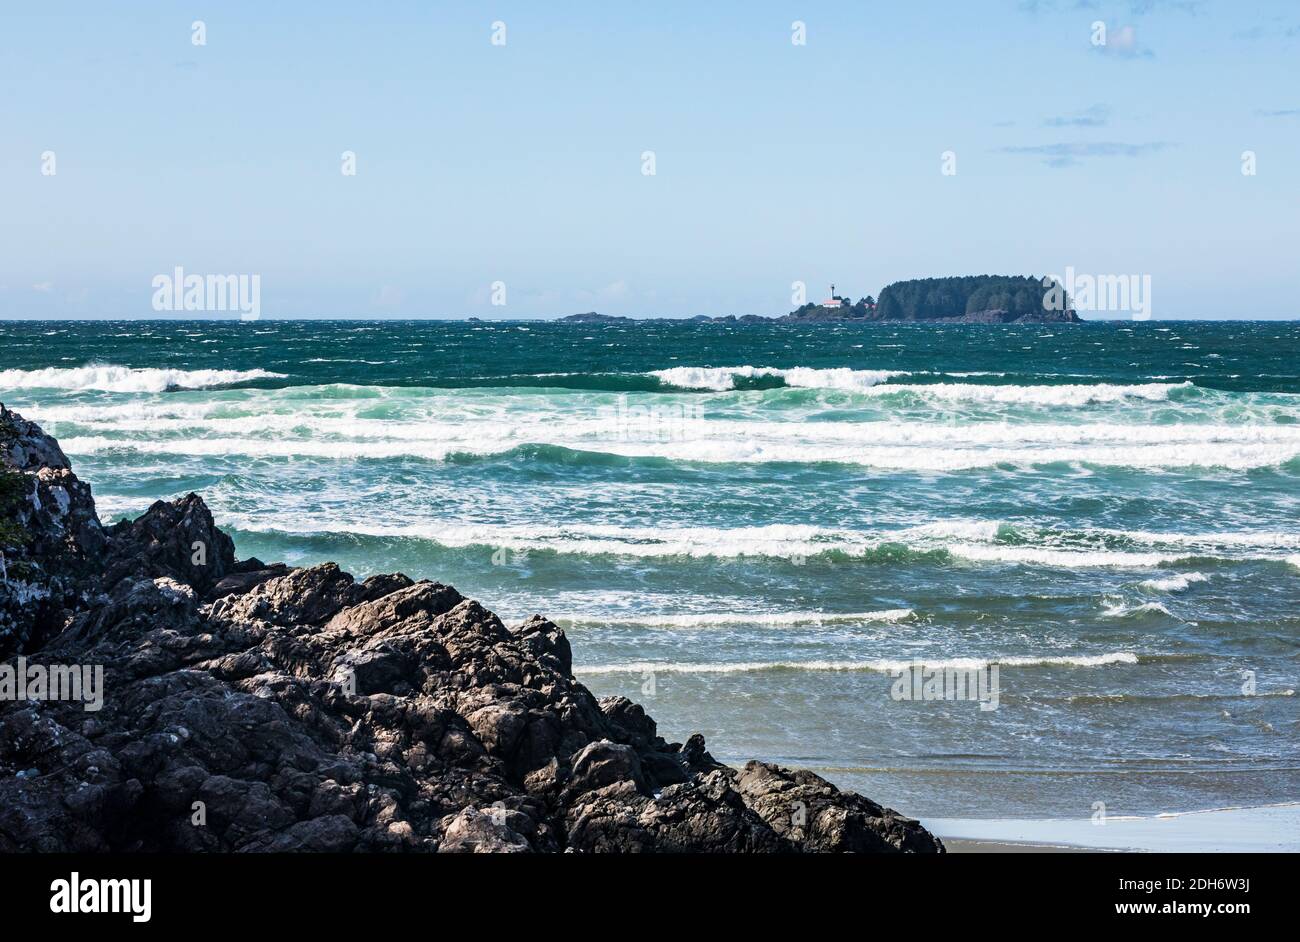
(116, 506)
(257, 447)
(1275, 539)
(724, 378)
(971, 530)
(1293, 561)
(580, 421)
(874, 666)
(776, 541)
(887, 446)
(1174, 583)
(107, 378)
(1067, 558)
(1064, 395)
(766, 619)
(1124, 610)
(347, 422)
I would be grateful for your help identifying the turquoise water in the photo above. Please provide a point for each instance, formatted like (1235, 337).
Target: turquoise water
(747, 528)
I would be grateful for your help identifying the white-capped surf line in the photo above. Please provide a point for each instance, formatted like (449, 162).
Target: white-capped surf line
(989, 531)
(1083, 559)
(120, 506)
(125, 379)
(765, 619)
(588, 422)
(880, 666)
(1124, 610)
(774, 541)
(1275, 539)
(1064, 395)
(721, 379)
(879, 383)
(955, 455)
(1176, 583)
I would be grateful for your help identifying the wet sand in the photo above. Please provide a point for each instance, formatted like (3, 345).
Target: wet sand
(959, 846)
(1268, 829)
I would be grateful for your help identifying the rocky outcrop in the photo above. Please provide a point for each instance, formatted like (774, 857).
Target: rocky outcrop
(248, 707)
(50, 537)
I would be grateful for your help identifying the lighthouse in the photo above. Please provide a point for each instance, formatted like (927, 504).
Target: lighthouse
(832, 301)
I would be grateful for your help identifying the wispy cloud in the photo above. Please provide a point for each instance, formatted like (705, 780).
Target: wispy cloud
(1280, 113)
(1098, 116)
(1069, 153)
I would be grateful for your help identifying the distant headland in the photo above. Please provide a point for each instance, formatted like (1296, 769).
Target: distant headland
(968, 299)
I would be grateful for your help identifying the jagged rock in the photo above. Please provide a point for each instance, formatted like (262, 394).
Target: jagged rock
(470, 831)
(703, 815)
(51, 541)
(24, 447)
(249, 707)
(805, 808)
(246, 578)
(177, 539)
(604, 763)
(547, 643)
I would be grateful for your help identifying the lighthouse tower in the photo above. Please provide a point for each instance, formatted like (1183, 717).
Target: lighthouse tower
(832, 301)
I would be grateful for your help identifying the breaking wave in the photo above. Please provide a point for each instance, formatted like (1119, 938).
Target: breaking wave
(569, 440)
(883, 666)
(125, 379)
(955, 541)
(721, 379)
(1174, 583)
(879, 383)
(1123, 610)
(768, 619)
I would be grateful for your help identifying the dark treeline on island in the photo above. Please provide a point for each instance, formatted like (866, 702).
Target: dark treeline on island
(966, 299)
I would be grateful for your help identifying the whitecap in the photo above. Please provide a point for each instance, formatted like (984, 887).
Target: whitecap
(1174, 583)
(108, 378)
(765, 619)
(884, 666)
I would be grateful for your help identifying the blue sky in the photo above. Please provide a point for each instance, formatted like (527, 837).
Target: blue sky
(522, 163)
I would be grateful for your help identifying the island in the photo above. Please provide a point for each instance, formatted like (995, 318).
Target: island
(965, 299)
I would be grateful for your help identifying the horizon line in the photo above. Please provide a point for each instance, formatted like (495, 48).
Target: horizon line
(227, 317)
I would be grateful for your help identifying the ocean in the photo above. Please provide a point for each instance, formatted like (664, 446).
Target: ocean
(752, 529)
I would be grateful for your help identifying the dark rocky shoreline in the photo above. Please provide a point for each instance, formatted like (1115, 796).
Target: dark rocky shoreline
(254, 707)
